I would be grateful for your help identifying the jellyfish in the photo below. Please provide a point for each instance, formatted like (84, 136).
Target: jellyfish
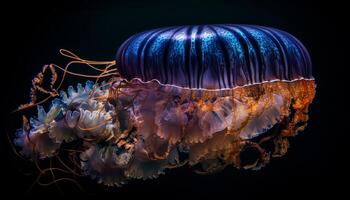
(205, 96)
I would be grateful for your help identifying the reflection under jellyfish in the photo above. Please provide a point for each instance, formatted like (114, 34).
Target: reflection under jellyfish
(204, 96)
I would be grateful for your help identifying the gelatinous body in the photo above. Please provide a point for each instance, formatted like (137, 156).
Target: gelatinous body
(205, 96)
(214, 56)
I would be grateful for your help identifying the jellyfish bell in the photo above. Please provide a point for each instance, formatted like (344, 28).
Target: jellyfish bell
(207, 96)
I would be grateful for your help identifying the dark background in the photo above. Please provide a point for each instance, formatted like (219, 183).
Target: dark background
(314, 165)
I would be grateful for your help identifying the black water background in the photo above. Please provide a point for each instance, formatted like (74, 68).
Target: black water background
(34, 32)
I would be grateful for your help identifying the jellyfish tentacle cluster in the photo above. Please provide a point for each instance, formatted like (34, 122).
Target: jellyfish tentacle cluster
(203, 96)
